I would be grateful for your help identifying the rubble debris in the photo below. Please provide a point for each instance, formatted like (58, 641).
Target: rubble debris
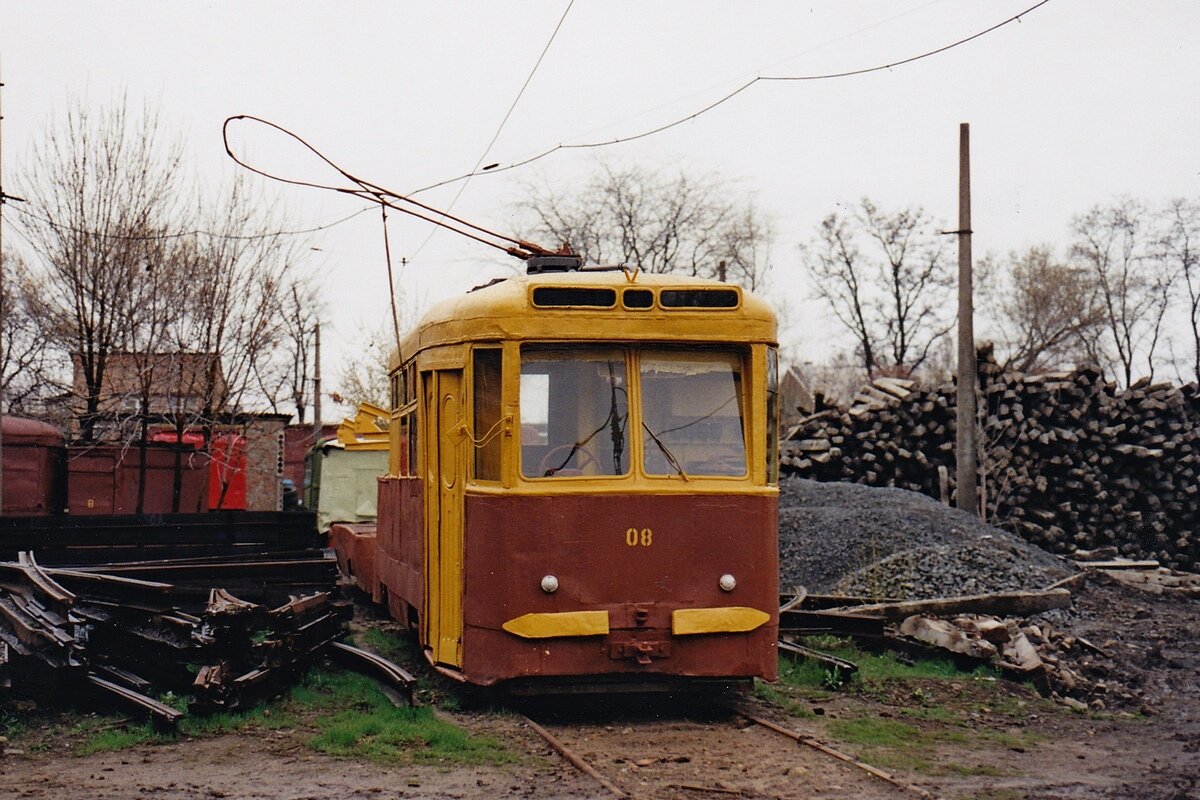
(947, 636)
(860, 540)
(1160, 581)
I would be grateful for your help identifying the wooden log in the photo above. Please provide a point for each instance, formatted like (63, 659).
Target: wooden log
(1019, 604)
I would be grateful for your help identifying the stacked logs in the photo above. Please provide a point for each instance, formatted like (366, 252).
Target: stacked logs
(1067, 459)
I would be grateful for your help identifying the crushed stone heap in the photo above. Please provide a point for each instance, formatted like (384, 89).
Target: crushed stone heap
(886, 542)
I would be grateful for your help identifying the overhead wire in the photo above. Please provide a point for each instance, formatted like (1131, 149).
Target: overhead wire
(374, 193)
(528, 79)
(729, 96)
(193, 232)
(385, 197)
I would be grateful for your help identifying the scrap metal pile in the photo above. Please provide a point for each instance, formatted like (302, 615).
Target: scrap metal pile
(65, 634)
(1069, 460)
(248, 608)
(260, 556)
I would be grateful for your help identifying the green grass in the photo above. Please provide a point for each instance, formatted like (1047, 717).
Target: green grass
(392, 646)
(343, 714)
(115, 739)
(875, 732)
(873, 668)
(931, 707)
(366, 725)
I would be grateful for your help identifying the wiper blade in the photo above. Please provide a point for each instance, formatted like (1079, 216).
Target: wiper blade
(671, 459)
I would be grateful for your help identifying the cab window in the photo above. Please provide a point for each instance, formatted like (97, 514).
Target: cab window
(692, 413)
(574, 408)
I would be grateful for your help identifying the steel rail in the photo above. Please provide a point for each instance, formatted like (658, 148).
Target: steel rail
(157, 710)
(574, 759)
(809, 741)
(392, 673)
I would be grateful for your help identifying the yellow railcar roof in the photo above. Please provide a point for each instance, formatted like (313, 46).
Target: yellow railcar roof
(505, 310)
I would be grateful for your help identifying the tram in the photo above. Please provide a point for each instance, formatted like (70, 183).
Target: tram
(582, 482)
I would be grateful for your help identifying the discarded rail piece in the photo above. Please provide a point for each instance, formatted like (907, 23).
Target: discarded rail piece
(65, 633)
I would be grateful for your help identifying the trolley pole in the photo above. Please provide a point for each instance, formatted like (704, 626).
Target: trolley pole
(965, 439)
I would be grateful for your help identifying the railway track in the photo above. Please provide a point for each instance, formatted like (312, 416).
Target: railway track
(733, 751)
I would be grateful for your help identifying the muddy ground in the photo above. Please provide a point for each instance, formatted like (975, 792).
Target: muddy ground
(965, 736)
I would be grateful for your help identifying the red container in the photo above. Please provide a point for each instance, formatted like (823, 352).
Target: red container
(104, 479)
(34, 456)
(227, 466)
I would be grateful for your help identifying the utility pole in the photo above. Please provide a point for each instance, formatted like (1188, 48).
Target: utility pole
(317, 384)
(2, 309)
(966, 456)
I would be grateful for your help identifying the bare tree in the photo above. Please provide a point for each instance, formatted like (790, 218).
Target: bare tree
(237, 271)
(886, 279)
(1179, 246)
(1047, 312)
(284, 377)
(1132, 278)
(98, 183)
(24, 363)
(695, 225)
(364, 375)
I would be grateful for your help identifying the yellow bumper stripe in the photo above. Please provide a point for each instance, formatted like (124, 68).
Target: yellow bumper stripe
(728, 619)
(566, 623)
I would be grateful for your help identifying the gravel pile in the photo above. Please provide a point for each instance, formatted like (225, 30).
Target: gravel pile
(845, 537)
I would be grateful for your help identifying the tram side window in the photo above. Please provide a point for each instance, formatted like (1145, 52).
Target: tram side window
(692, 413)
(412, 443)
(574, 409)
(486, 379)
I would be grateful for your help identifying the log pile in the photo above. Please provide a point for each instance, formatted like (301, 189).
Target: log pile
(1067, 459)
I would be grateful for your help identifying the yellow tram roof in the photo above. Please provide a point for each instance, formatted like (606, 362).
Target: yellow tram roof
(505, 310)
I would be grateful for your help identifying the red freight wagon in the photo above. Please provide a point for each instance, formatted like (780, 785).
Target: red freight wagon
(34, 456)
(104, 479)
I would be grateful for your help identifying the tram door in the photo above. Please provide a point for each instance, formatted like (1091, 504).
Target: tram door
(445, 464)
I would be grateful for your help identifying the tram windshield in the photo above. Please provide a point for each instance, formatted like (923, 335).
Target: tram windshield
(692, 413)
(574, 412)
(574, 406)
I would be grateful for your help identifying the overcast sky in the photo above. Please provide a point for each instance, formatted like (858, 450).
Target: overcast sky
(1079, 102)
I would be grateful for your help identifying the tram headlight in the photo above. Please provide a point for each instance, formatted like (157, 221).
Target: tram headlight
(727, 582)
(549, 584)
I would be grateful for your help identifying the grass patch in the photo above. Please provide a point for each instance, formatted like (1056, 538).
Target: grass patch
(392, 646)
(120, 738)
(340, 713)
(873, 668)
(764, 691)
(367, 725)
(874, 732)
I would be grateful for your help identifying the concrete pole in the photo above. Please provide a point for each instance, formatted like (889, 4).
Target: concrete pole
(965, 444)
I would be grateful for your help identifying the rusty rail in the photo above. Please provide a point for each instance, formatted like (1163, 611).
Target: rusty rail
(574, 759)
(809, 741)
(392, 674)
(160, 712)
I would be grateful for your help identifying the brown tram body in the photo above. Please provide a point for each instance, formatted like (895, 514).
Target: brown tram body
(579, 486)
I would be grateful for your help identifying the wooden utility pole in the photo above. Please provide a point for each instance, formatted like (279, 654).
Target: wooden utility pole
(966, 455)
(2, 309)
(317, 383)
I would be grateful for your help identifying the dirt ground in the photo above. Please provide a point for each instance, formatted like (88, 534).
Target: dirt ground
(979, 738)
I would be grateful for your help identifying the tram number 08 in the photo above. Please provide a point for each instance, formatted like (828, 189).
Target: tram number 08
(636, 538)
